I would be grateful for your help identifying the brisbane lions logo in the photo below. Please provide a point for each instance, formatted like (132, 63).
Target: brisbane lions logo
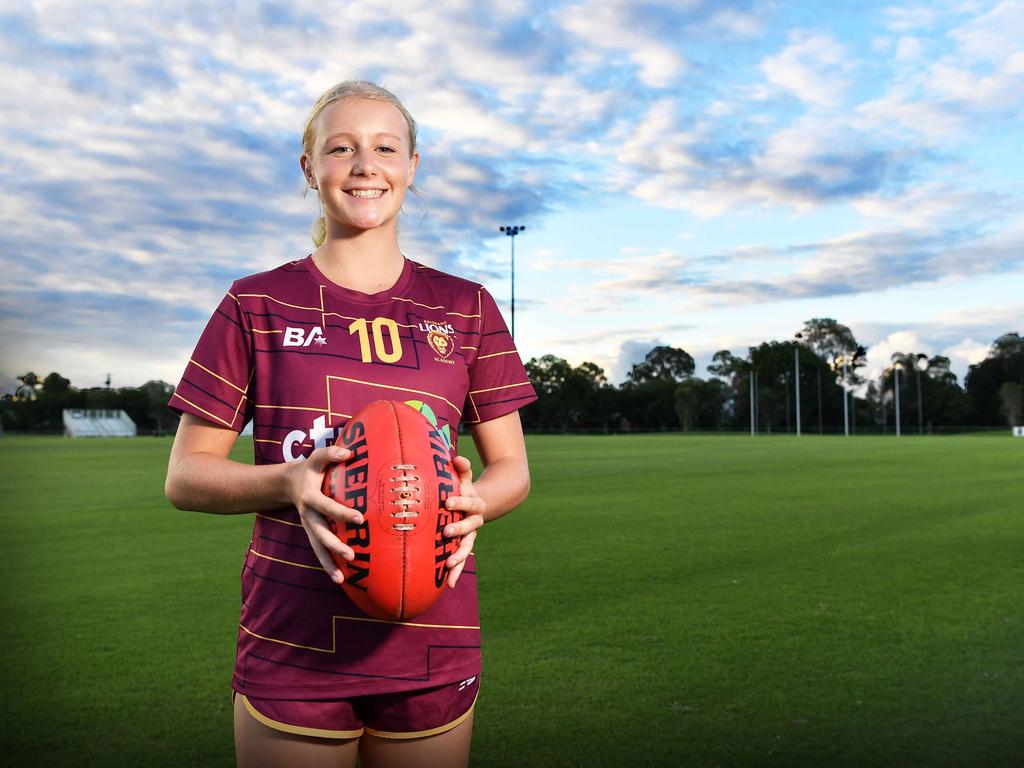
(440, 342)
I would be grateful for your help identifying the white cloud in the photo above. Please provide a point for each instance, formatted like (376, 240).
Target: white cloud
(613, 27)
(994, 36)
(909, 49)
(811, 68)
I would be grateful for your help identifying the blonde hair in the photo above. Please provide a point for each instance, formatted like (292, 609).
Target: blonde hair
(349, 89)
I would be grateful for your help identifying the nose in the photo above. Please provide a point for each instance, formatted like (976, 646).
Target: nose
(364, 163)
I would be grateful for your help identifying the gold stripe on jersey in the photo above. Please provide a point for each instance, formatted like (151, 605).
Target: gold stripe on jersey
(425, 306)
(503, 386)
(257, 330)
(287, 562)
(278, 520)
(472, 400)
(406, 623)
(264, 440)
(460, 314)
(268, 296)
(213, 416)
(216, 376)
(244, 397)
(497, 354)
(385, 386)
(334, 631)
(291, 407)
(361, 317)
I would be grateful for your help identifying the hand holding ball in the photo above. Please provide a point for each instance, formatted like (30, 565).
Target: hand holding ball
(399, 476)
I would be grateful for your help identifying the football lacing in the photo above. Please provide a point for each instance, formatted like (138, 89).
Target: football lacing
(407, 496)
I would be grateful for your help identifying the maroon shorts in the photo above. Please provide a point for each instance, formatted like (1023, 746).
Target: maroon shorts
(405, 715)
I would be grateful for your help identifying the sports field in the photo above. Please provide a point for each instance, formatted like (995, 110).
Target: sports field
(660, 600)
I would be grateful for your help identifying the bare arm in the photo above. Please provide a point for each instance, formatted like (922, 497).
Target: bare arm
(201, 477)
(503, 485)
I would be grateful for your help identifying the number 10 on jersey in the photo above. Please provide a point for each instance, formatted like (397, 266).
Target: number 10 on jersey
(387, 344)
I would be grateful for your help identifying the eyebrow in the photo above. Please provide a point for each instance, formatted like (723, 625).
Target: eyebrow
(344, 134)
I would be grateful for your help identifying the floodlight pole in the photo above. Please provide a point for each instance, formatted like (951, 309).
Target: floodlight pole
(796, 367)
(752, 373)
(896, 391)
(512, 232)
(920, 410)
(846, 405)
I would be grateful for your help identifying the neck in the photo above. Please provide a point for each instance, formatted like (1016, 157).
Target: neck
(368, 262)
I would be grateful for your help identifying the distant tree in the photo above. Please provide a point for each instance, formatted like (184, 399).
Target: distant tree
(1011, 402)
(56, 385)
(725, 365)
(102, 398)
(733, 376)
(1005, 362)
(27, 389)
(828, 338)
(548, 374)
(832, 343)
(942, 401)
(159, 418)
(569, 398)
(689, 397)
(648, 395)
(665, 363)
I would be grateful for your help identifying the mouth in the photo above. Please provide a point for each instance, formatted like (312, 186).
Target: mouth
(365, 194)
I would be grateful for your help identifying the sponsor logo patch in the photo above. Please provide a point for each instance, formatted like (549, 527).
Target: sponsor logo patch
(297, 337)
(441, 339)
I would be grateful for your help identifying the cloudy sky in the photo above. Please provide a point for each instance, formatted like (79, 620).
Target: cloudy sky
(699, 173)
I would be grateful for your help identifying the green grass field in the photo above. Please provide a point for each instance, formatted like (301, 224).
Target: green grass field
(660, 600)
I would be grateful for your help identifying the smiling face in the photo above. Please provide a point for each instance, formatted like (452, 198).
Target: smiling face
(361, 163)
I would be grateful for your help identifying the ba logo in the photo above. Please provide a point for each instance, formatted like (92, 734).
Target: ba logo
(296, 337)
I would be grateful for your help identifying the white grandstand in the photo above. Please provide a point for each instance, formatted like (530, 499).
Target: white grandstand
(96, 422)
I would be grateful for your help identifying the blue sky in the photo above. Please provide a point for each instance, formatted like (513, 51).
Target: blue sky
(702, 174)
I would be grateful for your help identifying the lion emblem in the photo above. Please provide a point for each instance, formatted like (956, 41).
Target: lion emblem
(440, 343)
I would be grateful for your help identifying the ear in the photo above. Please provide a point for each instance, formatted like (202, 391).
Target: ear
(414, 163)
(307, 171)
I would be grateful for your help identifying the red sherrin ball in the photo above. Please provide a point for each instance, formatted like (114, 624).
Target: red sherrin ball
(398, 476)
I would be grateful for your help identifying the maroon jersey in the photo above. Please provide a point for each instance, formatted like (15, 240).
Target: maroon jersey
(298, 355)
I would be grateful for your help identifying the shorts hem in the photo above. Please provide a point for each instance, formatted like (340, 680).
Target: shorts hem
(299, 730)
(429, 732)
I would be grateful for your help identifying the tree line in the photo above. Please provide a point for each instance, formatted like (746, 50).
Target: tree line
(759, 391)
(37, 405)
(662, 392)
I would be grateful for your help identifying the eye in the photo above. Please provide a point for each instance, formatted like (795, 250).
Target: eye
(386, 149)
(339, 150)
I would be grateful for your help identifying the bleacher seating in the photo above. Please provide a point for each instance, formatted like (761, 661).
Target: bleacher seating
(93, 422)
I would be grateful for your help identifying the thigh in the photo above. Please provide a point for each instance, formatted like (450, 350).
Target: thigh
(260, 746)
(449, 749)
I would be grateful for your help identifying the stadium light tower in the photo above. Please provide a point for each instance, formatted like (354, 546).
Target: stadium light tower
(896, 391)
(796, 367)
(841, 362)
(753, 386)
(512, 232)
(918, 359)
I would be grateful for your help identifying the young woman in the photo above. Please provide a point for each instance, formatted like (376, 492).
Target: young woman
(298, 350)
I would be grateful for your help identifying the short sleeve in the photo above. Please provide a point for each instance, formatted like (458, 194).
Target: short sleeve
(498, 383)
(215, 385)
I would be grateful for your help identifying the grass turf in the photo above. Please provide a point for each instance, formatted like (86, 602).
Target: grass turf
(659, 600)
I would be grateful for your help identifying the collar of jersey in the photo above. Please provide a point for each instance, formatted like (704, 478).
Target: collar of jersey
(358, 297)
